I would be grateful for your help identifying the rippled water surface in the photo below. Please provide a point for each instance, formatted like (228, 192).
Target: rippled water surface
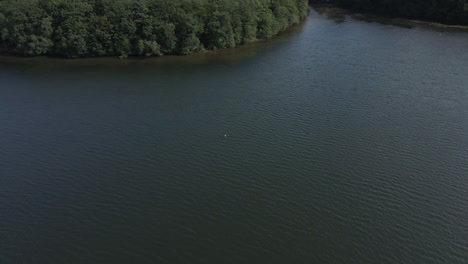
(342, 141)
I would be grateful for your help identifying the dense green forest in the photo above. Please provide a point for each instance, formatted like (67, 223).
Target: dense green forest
(86, 28)
(444, 11)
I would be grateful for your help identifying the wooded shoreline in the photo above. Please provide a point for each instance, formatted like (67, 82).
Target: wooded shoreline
(101, 28)
(94, 28)
(452, 12)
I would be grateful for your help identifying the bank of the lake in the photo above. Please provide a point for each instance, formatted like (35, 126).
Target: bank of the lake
(94, 28)
(442, 11)
(346, 142)
(339, 14)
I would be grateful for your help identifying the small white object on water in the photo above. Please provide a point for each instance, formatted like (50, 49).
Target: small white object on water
(224, 135)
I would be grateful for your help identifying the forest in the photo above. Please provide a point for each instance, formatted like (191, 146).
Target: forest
(443, 11)
(90, 28)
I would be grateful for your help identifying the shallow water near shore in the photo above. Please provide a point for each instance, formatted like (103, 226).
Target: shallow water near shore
(343, 140)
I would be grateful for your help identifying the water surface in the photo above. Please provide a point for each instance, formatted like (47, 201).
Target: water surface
(344, 140)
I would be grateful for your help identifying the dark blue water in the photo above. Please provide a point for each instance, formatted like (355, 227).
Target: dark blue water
(342, 141)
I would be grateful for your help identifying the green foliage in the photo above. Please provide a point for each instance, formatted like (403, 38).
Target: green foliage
(85, 28)
(444, 11)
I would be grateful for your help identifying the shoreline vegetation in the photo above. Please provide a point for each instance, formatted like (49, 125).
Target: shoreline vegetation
(226, 55)
(449, 12)
(97, 28)
(110, 28)
(339, 14)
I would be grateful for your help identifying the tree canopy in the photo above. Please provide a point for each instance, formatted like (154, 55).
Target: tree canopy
(86, 28)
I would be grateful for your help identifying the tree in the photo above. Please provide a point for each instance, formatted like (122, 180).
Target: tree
(84, 28)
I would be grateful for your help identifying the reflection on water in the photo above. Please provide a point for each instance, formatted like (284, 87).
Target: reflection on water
(340, 15)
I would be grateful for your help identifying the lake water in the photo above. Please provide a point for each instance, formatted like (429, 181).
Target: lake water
(344, 140)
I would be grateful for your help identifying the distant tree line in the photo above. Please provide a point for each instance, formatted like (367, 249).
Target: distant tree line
(86, 28)
(444, 11)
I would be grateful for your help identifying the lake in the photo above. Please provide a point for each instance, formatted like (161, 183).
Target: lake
(343, 140)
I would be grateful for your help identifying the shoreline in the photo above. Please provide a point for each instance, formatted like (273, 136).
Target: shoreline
(11, 57)
(141, 28)
(334, 10)
(415, 19)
